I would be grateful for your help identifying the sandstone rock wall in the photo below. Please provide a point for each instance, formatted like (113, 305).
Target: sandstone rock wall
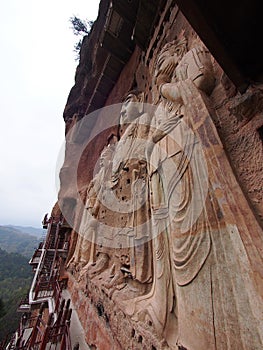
(194, 281)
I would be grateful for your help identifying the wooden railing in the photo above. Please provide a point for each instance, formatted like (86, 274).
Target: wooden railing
(54, 331)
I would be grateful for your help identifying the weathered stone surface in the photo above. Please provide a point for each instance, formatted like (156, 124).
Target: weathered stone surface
(192, 277)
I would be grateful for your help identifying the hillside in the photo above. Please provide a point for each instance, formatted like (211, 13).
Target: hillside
(15, 280)
(29, 230)
(14, 240)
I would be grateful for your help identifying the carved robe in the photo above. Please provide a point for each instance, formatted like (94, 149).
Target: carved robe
(129, 164)
(208, 259)
(85, 249)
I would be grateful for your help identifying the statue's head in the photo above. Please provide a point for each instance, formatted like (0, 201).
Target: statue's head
(168, 59)
(132, 106)
(106, 156)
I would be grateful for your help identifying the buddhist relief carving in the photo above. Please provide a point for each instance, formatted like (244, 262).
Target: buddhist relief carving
(112, 248)
(130, 269)
(130, 184)
(202, 238)
(172, 256)
(85, 250)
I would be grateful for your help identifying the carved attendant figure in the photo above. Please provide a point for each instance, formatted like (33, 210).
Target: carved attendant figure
(129, 182)
(190, 199)
(85, 251)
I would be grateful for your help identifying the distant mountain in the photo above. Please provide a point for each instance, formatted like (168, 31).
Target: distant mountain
(38, 232)
(15, 241)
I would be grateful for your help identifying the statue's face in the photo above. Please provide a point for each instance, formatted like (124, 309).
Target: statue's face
(167, 62)
(105, 157)
(129, 109)
(176, 57)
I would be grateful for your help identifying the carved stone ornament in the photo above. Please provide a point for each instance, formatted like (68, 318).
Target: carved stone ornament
(190, 279)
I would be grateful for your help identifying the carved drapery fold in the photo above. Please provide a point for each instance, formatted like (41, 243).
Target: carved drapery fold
(190, 278)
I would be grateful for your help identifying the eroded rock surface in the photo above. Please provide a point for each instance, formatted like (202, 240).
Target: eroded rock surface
(166, 251)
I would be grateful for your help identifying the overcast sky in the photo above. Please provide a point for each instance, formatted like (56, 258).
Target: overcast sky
(37, 68)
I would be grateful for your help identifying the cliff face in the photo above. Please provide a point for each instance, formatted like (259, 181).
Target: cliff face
(164, 192)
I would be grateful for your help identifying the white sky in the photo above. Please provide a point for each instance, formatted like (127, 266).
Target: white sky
(37, 68)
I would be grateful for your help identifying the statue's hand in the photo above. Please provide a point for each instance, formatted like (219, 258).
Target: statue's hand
(166, 127)
(171, 92)
(171, 123)
(149, 148)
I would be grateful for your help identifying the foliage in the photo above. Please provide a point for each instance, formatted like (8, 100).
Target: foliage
(77, 48)
(13, 265)
(80, 28)
(10, 321)
(14, 241)
(15, 280)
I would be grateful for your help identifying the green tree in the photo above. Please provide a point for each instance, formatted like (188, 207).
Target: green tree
(80, 28)
(15, 279)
